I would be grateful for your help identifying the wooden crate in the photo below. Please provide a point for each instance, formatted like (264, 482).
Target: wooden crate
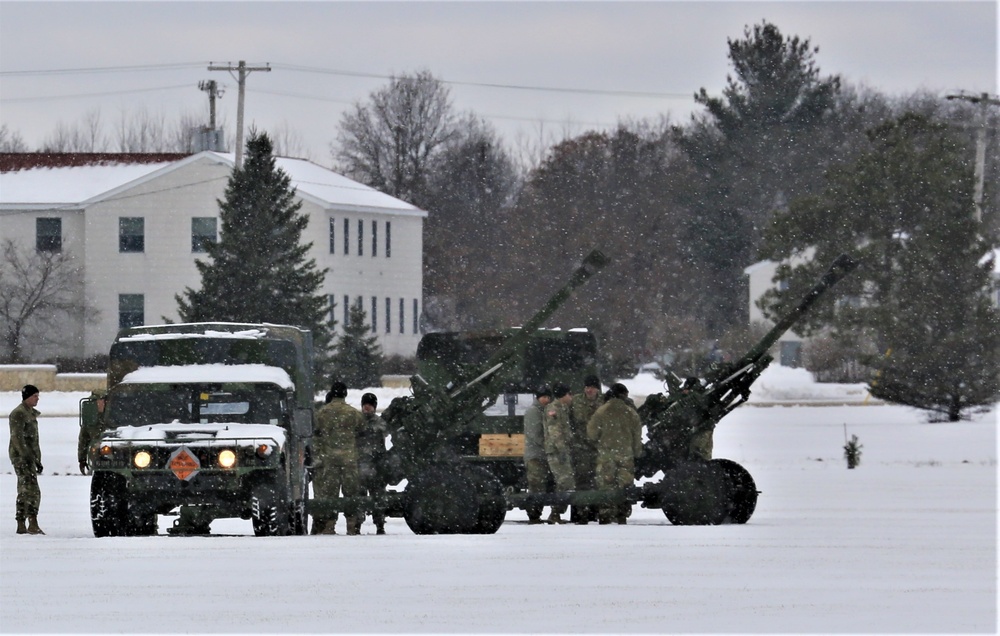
(501, 445)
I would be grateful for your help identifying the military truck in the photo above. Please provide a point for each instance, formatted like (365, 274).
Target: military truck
(210, 420)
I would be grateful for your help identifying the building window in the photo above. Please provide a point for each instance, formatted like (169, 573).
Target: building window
(203, 232)
(333, 224)
(130, 310)
(347, 236)
(131, 234)
(402, 318)
(347, 310)
(361, 237)
(416, 325)
(374, 238)
(374, 313)
(48, 235)
(388, 317)
(791, 354)
(388, 239)
(333, 308)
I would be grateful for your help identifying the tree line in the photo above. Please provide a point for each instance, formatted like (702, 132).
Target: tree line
(784, 162)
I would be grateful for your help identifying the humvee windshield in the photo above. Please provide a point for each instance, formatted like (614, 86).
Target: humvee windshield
(146, 404)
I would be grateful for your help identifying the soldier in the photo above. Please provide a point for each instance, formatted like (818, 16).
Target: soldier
(26, 457)
(584, 405)
(371, 453)
(702, 442)
(91, 431)
(557, 445)
(336, 457)
(535, 464)
(616, 430)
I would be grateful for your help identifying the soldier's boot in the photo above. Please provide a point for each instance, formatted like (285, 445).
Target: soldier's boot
(33, 525)
(21, 528)
(380, 529)
(555, 517)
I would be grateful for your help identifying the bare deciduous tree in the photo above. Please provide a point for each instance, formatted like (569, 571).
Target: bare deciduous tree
(11, 140)
(389, 141)
(38, 290)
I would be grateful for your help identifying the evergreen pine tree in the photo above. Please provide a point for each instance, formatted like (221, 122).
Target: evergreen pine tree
(357, 361)
(258, 270)
(905, 208)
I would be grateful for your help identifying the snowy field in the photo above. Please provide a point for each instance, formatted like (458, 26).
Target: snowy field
(907, 542)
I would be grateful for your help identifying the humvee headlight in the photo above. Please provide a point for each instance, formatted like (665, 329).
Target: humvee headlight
(141, 459)
(106, 451)
(227, 458)
(264, 450)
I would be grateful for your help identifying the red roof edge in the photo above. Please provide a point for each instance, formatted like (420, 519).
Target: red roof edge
(15, 161)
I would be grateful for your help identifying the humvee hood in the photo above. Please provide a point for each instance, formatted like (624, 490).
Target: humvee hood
(242, 434)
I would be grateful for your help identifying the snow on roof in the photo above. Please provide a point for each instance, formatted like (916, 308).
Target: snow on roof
(68, 185)
(248, 334)
(202, 373)
(77, 185)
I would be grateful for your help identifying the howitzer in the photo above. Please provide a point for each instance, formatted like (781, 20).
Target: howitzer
(697, 489)
(443, 493)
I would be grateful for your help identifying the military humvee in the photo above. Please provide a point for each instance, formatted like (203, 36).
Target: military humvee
(495, 439)
(213, 419)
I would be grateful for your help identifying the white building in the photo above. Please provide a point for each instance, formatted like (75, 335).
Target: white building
(137, 224)
(761, 279)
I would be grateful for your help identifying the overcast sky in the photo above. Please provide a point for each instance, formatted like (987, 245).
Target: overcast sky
(619, 59)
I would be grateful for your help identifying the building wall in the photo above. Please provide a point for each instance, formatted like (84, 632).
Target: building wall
(66, 338)
(167, 201)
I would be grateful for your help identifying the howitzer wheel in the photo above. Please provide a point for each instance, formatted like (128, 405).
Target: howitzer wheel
(743, 492)
(696, 494)
(441, 500)
(491, 501)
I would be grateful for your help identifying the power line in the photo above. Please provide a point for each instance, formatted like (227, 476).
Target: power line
(522, 87)
(102, 94)
(340, 72)
(106, 69)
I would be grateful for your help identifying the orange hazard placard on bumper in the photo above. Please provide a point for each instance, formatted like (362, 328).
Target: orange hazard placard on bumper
(184, 464)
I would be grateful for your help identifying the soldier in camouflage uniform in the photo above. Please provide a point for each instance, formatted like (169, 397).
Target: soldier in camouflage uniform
(371, 452)
(616, 430)
(557, 445)
(91, 431)
(336, 457)
(535, 464)
(584, 405)
(26, 457)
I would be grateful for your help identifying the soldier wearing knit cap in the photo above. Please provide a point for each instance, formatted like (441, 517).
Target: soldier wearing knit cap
(26, 458)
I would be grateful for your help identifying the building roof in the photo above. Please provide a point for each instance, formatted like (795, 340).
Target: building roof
(62, 180)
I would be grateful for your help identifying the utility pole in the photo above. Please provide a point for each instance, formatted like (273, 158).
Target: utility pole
(212, 88)
(243, 71)
(984, 100)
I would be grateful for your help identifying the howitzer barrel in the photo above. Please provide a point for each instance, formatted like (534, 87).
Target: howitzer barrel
(841, 266)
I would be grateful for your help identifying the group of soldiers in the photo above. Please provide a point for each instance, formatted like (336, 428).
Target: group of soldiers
(348, 447)
(586, 441)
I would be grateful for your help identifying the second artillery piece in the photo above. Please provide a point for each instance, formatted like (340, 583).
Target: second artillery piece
(697, 489)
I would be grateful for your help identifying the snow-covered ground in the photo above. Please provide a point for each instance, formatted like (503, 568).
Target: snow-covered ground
(907, 542)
